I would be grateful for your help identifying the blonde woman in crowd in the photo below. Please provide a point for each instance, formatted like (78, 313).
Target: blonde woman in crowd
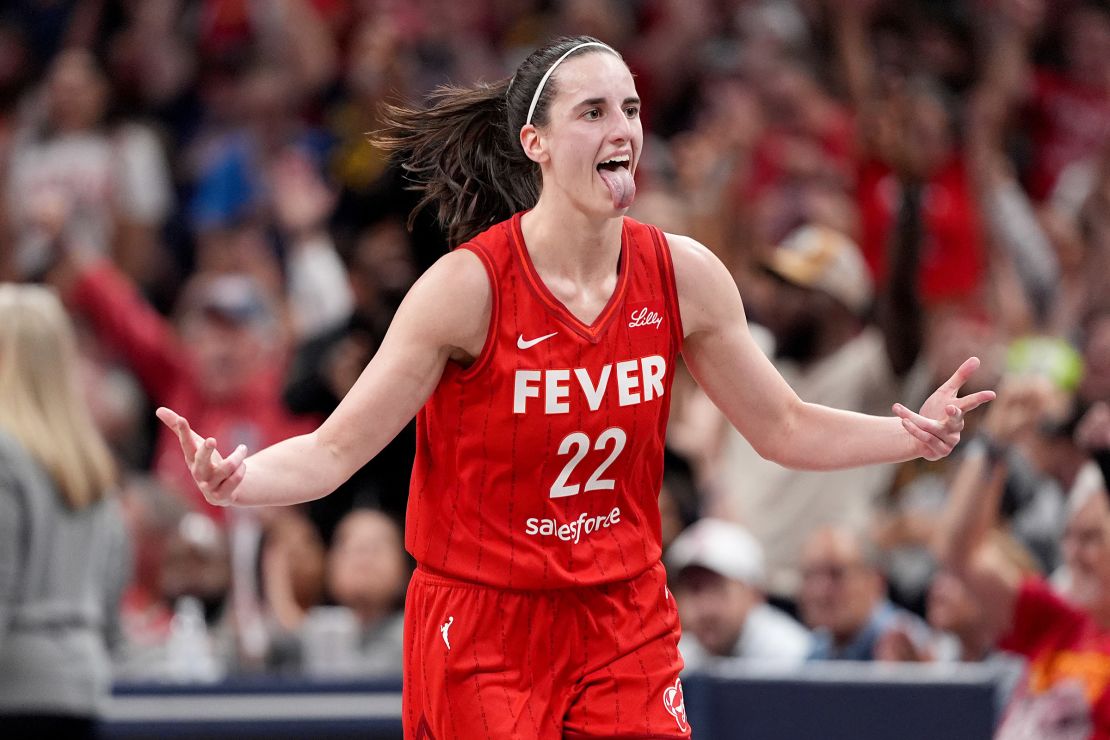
(63, 551)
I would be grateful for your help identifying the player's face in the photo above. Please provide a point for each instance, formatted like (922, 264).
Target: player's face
(590, 146)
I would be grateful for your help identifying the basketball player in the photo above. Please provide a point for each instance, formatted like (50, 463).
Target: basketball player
(539, 355)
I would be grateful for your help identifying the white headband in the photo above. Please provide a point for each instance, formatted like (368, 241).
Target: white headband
(543, 80)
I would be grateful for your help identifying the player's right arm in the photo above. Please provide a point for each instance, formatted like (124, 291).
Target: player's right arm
(444, 317)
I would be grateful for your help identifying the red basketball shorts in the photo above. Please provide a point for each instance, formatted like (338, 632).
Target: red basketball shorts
(591, 662)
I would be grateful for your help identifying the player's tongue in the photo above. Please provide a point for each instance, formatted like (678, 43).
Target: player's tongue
(621, 186)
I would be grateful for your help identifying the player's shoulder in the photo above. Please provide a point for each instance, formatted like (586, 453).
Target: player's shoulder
(451, 302)
(693, 261)
(458, 276)
(685, 245)
(707, 292)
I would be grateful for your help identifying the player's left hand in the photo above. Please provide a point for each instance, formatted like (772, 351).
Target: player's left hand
(938, 425)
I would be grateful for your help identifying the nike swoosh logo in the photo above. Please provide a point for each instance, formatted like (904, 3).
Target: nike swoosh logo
(523, 343)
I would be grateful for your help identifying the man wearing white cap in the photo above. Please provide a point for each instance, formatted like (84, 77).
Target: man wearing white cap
(717, 576)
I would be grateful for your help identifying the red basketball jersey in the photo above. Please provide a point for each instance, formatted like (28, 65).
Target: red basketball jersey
(539, 466)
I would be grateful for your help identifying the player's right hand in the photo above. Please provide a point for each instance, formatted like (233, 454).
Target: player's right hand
(216, 477)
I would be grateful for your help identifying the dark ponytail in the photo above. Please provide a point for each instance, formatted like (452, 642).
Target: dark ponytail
(460, 155)
(463, 152)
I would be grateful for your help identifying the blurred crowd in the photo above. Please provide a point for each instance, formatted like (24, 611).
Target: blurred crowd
(894, 185)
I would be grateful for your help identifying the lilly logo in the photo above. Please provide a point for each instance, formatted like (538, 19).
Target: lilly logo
(644, 317)
(676, 707)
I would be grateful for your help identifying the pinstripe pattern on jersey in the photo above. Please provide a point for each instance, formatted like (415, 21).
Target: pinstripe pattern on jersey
(484, 472)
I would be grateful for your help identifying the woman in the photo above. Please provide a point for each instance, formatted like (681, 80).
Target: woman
(63, 555)
(540, 356)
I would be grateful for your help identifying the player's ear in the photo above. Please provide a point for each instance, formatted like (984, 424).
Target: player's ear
(532, 141)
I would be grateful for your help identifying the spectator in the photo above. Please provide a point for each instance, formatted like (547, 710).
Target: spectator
(1065, 638)
(1029, 427)
(716, 575)
(326, 366)
(152, 515)
(1068, 109)
(235, 184)
(1030, 434)
(319, 295)
(367, 570)
(114, 184)
(909, 143)
(225, 362)
(63, 547)
(291, 579)
(843, 600)
(292, 567)
(830, 354)
(197, 563)
(962, 630)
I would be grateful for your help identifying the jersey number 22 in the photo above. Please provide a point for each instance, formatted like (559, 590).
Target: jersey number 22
(580, 441)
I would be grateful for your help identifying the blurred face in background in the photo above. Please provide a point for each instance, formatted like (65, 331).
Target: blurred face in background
(796, 317)
(712, 607)
(1095, 385)
(230, 327)
(366, 567)
(1086, 550)
(839, 588)
(228, 353)
(379, 64)
(1087, 46)
(76, 92)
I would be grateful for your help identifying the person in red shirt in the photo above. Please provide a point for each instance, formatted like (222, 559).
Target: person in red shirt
(223, 365)
(1066, 109)
(539, 356)
(909, 159)
(1062, 629)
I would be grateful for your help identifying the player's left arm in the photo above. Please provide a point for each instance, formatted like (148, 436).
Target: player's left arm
(742, 382)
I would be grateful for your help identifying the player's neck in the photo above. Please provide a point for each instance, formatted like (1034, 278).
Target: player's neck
(568, 242)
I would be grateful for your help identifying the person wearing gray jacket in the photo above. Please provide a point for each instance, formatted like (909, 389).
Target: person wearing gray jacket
(64, 555)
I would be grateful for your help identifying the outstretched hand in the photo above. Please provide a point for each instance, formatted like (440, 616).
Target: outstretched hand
(937, 427)
(217, 477)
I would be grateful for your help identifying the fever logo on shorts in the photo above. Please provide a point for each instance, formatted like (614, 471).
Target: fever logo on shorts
(676, 707)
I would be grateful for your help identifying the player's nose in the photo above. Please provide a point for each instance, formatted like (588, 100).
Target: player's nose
(620, 129)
